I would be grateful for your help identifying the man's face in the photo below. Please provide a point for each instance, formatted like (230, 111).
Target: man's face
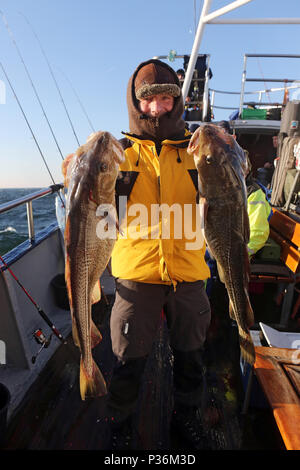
(157, 105)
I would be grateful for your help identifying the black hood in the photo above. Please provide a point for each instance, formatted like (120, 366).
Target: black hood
(169, 126)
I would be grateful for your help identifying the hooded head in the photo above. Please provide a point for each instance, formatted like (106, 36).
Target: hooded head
(151, 78)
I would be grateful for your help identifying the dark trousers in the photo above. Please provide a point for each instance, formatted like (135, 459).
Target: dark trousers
(135, 321)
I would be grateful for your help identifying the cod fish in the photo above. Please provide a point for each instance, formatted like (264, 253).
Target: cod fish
(90, 176)
(221, 165)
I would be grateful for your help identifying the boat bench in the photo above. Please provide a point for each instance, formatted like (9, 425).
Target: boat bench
(278, 373)
(278, 369)
(285, 232)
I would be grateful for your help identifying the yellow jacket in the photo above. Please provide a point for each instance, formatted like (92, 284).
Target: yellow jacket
(258, 211)
(156, 244)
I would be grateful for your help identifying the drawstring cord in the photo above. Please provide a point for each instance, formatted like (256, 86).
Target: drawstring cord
(178, 157)
(138, 160)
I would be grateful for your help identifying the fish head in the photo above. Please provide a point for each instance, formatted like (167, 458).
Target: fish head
(220, 161)
(92, 171)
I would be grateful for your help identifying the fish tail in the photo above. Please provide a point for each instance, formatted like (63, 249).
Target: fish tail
(92, 385)
(96, 336)
(75, 335)
(231, 311)
(247, 347)
(96, 293)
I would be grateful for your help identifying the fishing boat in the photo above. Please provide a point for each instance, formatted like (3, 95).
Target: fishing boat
(40, 404)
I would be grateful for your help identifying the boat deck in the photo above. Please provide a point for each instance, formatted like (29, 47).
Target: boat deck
(52, 415)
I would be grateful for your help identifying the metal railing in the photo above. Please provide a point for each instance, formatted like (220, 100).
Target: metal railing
(7, 206)
(212, 17)
(256, 92)
(275, 80)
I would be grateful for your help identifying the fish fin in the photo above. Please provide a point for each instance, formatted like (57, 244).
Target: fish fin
(64, 168)
(91, 386)
(68, 271)
(96, 336)
(247, 347)
(114, 222)
(75, 335)
(246, 226)
(231, 311)
(205, 204)
(221, 273)
(96, 293)
(194, 142)
(247, 263)
(249, 311)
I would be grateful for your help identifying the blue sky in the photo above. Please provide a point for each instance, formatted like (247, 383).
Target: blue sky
(96, 45)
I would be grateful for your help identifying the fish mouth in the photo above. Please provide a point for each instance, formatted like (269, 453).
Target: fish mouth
(118, 153)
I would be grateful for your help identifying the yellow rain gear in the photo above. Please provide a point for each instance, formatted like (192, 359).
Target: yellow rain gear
(158, 241)
(258, 211)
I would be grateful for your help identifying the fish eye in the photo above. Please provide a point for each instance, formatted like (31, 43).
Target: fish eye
(103, 167)
(208, 159)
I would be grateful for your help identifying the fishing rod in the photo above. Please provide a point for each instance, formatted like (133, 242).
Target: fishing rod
(79, 101)
(30, 79)
(53, 76)
(27, 122)
(40, 311)
(30, 128)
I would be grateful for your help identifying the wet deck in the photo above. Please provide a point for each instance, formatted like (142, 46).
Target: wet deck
(53, 417)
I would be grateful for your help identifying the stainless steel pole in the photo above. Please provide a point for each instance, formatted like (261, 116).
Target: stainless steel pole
(195, 49)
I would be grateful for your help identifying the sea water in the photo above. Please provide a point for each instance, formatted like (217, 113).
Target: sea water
(13, 224)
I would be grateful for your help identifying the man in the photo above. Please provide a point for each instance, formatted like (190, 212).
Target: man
(259, 212)
(155, 270)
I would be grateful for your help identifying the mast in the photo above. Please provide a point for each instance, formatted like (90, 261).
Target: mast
(211, 18)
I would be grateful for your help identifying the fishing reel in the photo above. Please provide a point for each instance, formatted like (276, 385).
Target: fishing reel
(42, 340)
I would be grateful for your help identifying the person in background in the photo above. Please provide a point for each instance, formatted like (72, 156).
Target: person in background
(265, 174)
(180, 74)
(193, 127)
(259, 212)
(225, 126)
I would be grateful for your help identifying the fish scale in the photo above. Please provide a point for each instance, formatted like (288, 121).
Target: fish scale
(90, 175)
(221, 164)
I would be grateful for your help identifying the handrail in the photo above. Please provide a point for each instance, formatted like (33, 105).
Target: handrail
(256, 92)
(30, 197)
(245, 79)
(266, 90)
(7, 206)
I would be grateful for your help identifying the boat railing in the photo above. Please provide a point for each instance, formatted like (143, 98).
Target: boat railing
(259, 101)
(7, 206)
(265, 80)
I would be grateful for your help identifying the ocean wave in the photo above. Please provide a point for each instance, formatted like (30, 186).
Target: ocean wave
(9, 229)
